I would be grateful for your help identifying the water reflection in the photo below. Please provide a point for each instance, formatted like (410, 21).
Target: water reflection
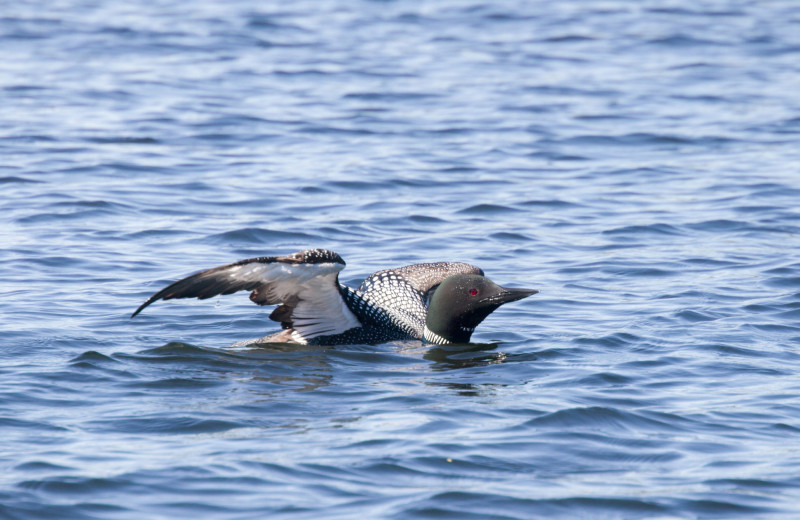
(301, 368)
(273, 367)
(448, 357)
(467, 389)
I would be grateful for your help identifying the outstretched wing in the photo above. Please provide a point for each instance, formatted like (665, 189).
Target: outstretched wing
(305, 284)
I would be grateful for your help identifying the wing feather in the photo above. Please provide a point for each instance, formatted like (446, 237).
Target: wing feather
(305, 284)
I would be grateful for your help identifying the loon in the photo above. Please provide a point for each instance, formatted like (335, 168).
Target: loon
(439, 302)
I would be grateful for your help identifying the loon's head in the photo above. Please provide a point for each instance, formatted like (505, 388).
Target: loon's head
(461, 302)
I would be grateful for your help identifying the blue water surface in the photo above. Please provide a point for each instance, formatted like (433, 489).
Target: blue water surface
(637, 162)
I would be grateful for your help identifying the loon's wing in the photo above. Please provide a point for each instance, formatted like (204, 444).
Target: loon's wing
(306, 284)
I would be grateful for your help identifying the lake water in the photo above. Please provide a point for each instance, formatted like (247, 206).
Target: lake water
(637, 162)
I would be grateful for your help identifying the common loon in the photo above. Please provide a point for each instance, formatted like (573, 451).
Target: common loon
(439, 302)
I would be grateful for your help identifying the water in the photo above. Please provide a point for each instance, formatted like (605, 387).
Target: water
(635, 161)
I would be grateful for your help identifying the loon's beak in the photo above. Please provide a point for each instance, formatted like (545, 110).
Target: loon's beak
(510, 295)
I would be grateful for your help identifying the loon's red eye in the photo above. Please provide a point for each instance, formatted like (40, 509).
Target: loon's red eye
(473, 292)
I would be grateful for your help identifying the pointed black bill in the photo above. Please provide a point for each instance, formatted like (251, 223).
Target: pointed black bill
(510, 295)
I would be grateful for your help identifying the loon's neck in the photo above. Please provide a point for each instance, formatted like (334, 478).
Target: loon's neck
(432, 337)
(465, 333)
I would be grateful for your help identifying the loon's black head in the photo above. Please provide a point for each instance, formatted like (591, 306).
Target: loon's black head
(461, 302)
